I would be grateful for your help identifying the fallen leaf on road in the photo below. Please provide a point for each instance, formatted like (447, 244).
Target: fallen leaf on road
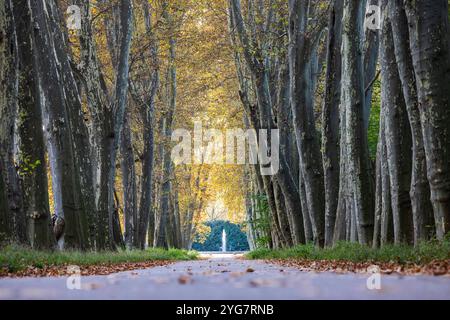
(262, 282)
(91, 286)
(236, 274)
(184, 280)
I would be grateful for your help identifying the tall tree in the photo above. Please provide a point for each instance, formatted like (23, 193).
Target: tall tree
(99, 105)
(430, 49)
(129, 182)
(353, 100)
(5, 67)
(144, 94)
(330, 120)
(66, 180)
(8, 111)
(303, 39)
(398, 136)
(33, 168)
(5, 231)
(420, 190)
(126, 31)
(164, 230)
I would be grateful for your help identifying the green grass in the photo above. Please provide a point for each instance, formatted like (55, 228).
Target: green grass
(353, 252)
(17, 258)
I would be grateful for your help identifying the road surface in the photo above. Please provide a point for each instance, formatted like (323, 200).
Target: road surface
(224, 277)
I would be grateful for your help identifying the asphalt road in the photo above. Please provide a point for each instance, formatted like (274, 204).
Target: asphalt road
(223, 277)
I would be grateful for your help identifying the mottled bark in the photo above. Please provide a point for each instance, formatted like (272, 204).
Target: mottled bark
(430, 49)
(386, 222)
(166, 215)
(420, 190)
(282, 218)
(340, 227)
(177, 217)
(309, 237)
(398, 138)
(100, 110)
(291, 197)
(378, 193)
(250, 209)
(8, 111)
(116, 228)
(129, 183)
(126, 28)
(301, 46)
(146, 214)
(249, 222)
(5, 231)
(5, 67)
(353, 99)
(51, 95)
(32, 165)
(79, 130)
(330, 120)
(285, 176)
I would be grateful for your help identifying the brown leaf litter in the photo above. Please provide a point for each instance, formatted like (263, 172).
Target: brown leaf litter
(434, 268)
(63, 270)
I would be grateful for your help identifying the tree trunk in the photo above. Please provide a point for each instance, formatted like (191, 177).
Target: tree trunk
(177, 218)
(126, 27)
(79, 130)
(300, 50)
(398, 137)
(129, 183)
(330, 120)
(8, 110)
(420, 190)
(5, 96)
(100, 110)
(430, 49)
(166, 187)
(33, 168)
(386, 223)
(116, 229)
(378, 193)
(285, 177)
(353, 99)
(51, 94)
(283, 223)
(146, 213)
(5, 230)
